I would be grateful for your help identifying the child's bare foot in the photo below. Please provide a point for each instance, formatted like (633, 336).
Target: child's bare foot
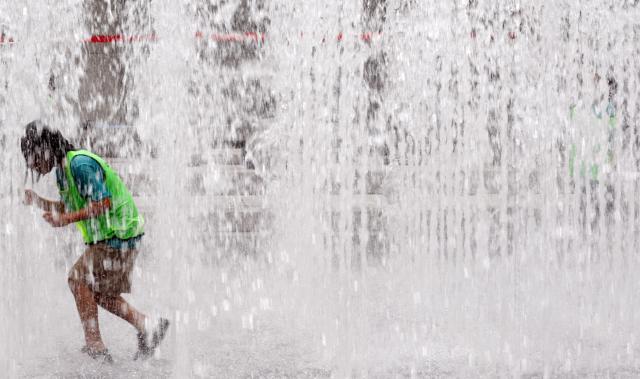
(100, 355)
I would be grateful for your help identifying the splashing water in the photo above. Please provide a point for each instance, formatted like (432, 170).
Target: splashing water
(342, 189)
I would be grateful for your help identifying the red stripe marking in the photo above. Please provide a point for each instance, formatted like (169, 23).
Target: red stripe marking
(6, 39)
(119, 38)
(217, 37)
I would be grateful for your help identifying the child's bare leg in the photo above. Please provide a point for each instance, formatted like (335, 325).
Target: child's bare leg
(119, 307)
(88, 311)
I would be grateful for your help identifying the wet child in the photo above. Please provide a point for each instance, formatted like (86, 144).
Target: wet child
(94, 198)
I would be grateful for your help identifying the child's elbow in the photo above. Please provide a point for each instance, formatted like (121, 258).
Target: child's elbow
(102, 205)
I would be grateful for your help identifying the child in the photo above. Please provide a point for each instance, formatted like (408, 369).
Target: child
(94, 197)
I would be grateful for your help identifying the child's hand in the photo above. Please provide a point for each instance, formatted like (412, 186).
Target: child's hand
(29, 197)
(55, 219)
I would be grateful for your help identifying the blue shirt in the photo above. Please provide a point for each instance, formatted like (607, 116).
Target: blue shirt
(90, 180)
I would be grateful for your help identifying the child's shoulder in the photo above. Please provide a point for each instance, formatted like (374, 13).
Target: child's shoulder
(85, 166)
(81, 159)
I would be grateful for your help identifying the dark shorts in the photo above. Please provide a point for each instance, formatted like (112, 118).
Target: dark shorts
(104, 269)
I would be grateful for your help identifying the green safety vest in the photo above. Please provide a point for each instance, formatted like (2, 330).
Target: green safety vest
(122, 220)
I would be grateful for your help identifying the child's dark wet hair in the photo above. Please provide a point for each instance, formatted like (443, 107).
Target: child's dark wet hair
(40, 142)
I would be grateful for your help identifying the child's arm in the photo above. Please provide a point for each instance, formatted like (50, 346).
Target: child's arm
(91, 183)
(94, 209)
(32, 198)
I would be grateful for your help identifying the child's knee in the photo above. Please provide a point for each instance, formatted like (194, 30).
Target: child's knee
(73, 284)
